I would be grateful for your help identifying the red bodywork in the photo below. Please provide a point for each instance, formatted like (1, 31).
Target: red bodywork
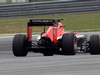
(53, 33)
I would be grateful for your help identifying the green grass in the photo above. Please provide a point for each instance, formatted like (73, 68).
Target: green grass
(76, 22)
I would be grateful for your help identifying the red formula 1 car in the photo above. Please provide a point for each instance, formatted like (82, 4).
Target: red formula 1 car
(54, 40)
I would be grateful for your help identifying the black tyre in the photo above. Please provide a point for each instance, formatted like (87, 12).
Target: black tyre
(94, 44)
(69, 44)
(19, 45)
(47, 52)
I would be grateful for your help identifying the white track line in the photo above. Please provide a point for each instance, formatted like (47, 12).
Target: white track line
(7, 37)
(12, 36)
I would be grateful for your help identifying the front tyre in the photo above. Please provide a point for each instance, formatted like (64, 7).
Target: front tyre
(94, 44)
(69, 44)
(19, 45)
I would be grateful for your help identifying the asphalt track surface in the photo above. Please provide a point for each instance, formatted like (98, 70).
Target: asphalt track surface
(37, 64)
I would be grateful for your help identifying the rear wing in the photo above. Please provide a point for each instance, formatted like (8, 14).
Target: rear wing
(44, 22)
(41, 22)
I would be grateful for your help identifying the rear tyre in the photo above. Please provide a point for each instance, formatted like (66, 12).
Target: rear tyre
(94, 45)
(69, 44)
(19, 45)
(47, 52)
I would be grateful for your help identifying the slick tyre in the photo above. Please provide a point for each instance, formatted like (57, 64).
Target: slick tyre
(69, 44)
(94, 44)
(19, 45)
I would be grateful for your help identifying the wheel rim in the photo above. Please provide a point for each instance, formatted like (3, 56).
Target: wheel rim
(75, 44)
